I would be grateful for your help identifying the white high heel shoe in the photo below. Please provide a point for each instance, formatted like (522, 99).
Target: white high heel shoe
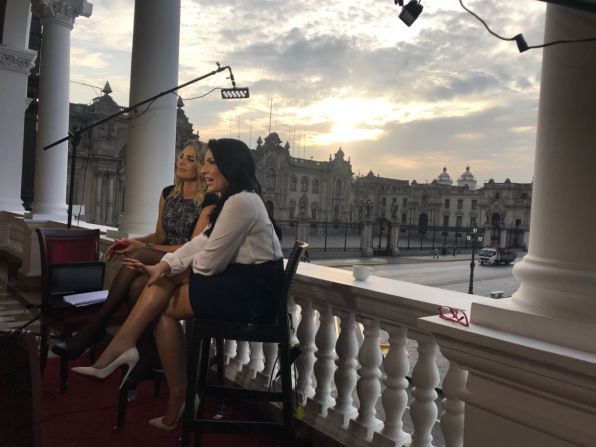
(158, 422)
(129, 357)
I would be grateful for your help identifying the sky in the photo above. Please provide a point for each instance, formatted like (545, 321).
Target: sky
(402, 102)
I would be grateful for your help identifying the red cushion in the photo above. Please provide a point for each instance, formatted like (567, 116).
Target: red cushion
(64, 251)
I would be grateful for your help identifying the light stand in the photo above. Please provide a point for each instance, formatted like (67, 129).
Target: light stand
(473, 237)
(75, 136)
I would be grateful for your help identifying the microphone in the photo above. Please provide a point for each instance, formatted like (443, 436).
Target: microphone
(234, 92)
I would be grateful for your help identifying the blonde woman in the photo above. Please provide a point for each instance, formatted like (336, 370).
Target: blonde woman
(184, 209)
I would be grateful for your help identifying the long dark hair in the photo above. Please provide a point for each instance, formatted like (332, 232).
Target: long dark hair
(235, 162)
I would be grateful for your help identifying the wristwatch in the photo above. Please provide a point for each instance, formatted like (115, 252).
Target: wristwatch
(149, 245)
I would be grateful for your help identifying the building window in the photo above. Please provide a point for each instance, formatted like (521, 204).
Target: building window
(270, 179)
(459, 221)
(384, 201)
(474, 204)
(304, 184)
(523, 195)
(315, 186)
(291, 210)
(445, 221)
(293, 182)
(424, 199)
(498, 195)
(473, 221)
(460, 204)
(404, 218)
(404, 203)
(313, 213)
(338, 188)
(447, 204)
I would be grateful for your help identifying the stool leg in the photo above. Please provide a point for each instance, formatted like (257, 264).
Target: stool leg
(287, 393)
(202, 383)
(192, 358)
(122, 402)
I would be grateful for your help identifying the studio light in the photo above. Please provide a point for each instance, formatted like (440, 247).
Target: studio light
(410, 12)
(235, 93)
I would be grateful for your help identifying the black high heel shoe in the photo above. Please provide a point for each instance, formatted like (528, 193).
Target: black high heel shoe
(72, 348)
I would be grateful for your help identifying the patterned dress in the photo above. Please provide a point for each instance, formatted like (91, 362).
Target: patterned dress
(180, 216)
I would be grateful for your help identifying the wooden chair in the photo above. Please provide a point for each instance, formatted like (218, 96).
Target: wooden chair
(20, 390)
(69, 264)
(199, 335)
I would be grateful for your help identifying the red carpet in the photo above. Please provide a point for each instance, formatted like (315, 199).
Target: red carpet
(86, 414)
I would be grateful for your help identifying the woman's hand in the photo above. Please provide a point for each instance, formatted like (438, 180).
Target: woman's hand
(122, 247)
(154, 272)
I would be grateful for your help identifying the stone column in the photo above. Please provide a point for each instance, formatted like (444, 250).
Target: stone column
(15, 62)
(557, 275)
(151, 136)
(366, 238)
(57, 20)
(394, 237)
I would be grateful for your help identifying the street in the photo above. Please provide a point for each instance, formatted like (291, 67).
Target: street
(450, 274)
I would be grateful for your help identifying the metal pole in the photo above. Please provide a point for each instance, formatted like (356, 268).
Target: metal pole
(472, 265)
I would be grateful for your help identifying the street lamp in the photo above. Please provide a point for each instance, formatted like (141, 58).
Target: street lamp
(473, 237)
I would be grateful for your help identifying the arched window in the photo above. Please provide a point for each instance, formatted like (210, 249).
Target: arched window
(338, 188)
(304, 184)
(270, 179)
(293, 182)
(315, 186)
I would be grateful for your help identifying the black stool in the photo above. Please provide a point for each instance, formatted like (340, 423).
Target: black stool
(198, 336)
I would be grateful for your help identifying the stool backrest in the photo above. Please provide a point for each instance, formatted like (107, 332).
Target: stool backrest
(290, 271)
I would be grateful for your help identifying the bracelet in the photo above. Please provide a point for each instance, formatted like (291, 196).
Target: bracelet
(149, 245)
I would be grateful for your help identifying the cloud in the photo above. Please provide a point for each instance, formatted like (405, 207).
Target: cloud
(401, 101)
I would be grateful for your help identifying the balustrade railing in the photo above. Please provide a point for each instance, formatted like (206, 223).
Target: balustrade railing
(348, 389)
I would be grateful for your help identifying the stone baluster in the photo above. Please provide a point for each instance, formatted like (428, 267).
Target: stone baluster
(242, 355)
(256, 362)
(229, 351)
(452, 419)
(325, 365)
(294, 314)
(425, 378)
(306, 361)
(345, 374)
(395, 395)
(265, 376)
(368, 386)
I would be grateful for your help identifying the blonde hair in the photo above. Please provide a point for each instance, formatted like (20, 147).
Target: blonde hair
(199, 149)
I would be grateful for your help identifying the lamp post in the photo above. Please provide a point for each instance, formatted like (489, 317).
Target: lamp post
(473, 237)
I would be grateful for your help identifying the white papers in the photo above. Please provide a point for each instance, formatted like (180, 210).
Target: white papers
(87, 298)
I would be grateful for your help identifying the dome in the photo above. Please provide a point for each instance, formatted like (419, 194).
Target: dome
(444, 178)
(467, 179)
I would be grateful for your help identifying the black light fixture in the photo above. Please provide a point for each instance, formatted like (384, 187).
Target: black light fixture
(410, 12)
(235, 93)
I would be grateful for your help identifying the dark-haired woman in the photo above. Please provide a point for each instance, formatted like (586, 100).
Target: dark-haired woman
(236, 272)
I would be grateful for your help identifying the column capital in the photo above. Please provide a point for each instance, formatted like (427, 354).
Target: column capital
(16, 60)
(64, 11)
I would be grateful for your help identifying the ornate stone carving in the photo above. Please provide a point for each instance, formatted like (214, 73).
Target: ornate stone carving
(14, 60)
(65, 11)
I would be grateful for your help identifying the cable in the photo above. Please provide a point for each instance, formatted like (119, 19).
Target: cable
(519, 38)
(201, 96)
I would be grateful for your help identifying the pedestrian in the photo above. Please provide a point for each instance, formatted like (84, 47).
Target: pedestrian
(435, 253)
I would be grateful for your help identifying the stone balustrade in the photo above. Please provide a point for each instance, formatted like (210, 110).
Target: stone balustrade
(347, 389)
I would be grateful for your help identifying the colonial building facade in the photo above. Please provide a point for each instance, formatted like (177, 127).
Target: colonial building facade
(328, 191)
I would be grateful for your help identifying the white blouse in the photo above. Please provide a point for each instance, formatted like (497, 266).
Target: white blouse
(243, 234)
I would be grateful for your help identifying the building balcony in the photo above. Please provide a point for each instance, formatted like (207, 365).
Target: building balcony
(379, 367)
